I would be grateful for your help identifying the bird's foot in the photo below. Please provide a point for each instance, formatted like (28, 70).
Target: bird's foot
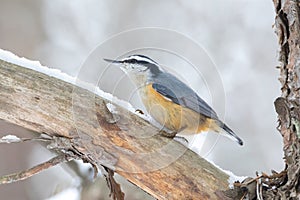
(139, 111)
(172, 135)
(168, 134)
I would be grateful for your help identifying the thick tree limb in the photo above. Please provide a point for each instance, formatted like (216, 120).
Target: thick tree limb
(158, 165)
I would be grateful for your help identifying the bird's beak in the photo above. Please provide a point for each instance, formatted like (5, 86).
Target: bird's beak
(113, 61)
(234, 137)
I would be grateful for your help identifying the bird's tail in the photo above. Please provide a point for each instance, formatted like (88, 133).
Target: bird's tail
(226, 131)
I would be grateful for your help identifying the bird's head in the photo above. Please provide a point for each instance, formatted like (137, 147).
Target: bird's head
(137, 64)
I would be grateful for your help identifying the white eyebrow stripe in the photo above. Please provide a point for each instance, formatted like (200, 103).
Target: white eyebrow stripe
(139, 58)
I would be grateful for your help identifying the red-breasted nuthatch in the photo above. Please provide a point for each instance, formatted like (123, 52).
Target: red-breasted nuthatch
(170, 101)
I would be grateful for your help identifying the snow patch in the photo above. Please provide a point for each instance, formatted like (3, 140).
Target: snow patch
(10, 139)
(111, 107)
(70, 193)
(232, 177)
(36, 65)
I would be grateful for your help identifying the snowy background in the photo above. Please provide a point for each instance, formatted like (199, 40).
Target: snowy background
(236, 34)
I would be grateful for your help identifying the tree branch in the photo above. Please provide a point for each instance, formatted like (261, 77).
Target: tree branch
(11, 178)
(129, 146)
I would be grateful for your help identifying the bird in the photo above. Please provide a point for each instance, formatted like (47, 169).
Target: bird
(171, 102)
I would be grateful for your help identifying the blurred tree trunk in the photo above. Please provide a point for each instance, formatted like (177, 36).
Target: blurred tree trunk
(287, 28)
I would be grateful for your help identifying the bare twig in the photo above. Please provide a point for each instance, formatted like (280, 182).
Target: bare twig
(11, 178)
(15, 139)
(258, 189)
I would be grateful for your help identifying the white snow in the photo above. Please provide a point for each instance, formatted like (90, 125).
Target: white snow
(232, 177)
(36, 65)
(10, 139)
(70, 193)
(112, 108)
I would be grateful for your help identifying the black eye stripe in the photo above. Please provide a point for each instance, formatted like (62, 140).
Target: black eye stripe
(135, 61)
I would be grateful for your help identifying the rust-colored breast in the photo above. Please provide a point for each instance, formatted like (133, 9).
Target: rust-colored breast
(173, 116)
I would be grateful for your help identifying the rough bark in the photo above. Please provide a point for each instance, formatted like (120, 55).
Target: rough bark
(80, 123)
(287, 28)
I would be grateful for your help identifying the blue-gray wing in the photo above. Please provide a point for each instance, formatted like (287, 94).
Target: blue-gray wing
(179, 93)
